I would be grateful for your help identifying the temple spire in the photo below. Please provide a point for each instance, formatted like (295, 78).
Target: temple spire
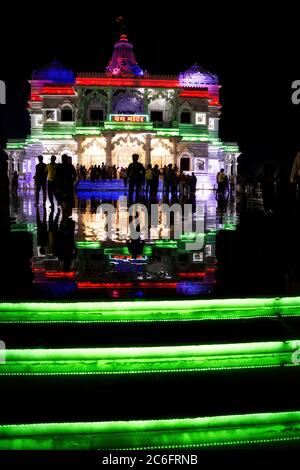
(123, 61)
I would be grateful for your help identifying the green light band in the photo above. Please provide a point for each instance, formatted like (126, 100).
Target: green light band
(123, 250)
(166, 244)
(148, 311)
(56, 136)
(88, 245)
(166, 132)
(109, 125)
(215, 431)
(15, 145)
(148, 359)
(88, 130)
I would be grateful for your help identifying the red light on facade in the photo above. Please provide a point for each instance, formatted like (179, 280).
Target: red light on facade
(157, 285)
(59, 275)
(104, 285)
(126, 285)
(35, 97)
(194, 94)
(57, 91)
(214, 102)
(127, 82)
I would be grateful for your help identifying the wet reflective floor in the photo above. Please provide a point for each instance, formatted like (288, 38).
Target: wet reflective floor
(82, 253)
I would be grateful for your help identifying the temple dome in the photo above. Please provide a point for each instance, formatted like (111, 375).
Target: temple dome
(54, 72)
(123, 59)
(195, 76)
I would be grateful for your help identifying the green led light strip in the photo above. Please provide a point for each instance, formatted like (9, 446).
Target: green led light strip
(123, 250)
(88, 245)
(148, 359)
(216, 431)
(149, 311)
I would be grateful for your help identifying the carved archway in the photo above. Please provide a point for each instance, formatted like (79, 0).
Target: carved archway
(124, 145)
(161, 152)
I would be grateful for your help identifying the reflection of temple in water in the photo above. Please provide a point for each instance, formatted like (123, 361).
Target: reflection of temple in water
(110, 265)
(106, 117)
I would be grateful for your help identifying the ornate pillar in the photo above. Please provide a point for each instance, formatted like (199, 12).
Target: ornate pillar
(146, 101)
(80, 107)
(148, 150)
(109, 101)
(175, 141)
(79, 150)
(108, 149)
(235, 165)
(175, 107)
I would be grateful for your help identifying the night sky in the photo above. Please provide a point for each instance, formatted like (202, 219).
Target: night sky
(255, 54)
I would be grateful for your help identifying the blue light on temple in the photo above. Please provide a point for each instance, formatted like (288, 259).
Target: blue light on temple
(54, 72)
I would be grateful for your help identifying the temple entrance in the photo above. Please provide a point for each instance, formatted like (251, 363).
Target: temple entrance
(185, 164)
(124, 146)
(161, 152)
(93, 151)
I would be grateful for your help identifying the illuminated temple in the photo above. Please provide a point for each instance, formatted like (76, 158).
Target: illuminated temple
(106, 117)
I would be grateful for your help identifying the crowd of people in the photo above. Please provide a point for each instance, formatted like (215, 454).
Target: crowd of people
(59, 179)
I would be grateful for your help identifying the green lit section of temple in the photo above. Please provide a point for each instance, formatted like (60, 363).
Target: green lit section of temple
(161, 359)
(248, 430)
(88, 245)
(150, 311)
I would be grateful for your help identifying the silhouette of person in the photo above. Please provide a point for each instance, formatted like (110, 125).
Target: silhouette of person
(51, 174)
(135, 173)
(42, 231)
(65, 248)
(53, 230)
(65, 177)
(40, 179)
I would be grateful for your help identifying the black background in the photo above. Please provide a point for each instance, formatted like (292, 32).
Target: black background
(254, 50)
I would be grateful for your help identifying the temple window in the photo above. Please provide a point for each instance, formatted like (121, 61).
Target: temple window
(156, 116)
(66, 114)
(96, 115)
(185, 117)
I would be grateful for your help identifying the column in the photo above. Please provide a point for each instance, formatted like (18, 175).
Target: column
(146, 101)
(148, 150)
(174, 151)
(108, 149)
(79, 150)
(109, 102)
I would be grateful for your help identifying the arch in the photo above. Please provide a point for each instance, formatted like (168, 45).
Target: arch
(124, 145)
(160, 110)
(95, 107)
(66, 112)
(185, 160)
(93, 151)
(161, 152)
(68, 150)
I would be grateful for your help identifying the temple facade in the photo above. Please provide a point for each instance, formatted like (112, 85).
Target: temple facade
(106, 117)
